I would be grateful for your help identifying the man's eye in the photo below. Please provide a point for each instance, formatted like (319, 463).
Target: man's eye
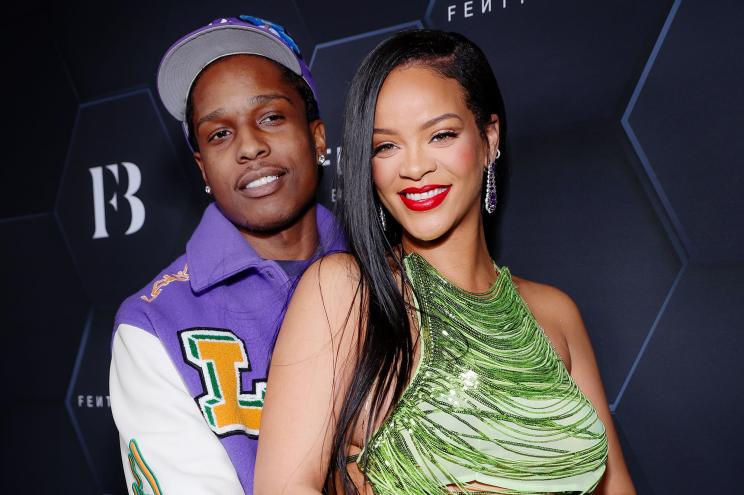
(273, 118)
(382, 148)
(222, 133)
(443, 136)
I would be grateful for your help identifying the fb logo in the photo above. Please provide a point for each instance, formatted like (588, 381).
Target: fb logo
(99, 204)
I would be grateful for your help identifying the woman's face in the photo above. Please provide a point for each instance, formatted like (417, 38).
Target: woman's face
(428, 153)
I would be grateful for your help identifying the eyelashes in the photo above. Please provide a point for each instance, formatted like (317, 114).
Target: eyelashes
(443, 136)
(270, 120)
(218, 135)
(438, 137)
(380, 148)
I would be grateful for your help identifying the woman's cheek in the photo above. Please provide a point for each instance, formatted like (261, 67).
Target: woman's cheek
(462, 158)
(383, 175)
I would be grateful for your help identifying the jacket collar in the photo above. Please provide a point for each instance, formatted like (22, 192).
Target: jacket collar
(217, 250)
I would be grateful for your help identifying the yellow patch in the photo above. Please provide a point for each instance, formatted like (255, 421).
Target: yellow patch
(221, 358)
(157, 287)
(228, 410)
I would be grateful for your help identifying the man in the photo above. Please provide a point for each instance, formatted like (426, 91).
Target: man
(191, 349)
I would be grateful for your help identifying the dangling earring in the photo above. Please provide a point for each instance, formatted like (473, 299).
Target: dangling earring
(321, 159)
(490, 200)
(382, 218)
(207, 189)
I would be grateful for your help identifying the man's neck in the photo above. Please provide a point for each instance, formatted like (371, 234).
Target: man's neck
(297, 242)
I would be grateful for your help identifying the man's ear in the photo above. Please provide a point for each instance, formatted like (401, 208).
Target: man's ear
(200, 163)
(318, 133)
(493, 136)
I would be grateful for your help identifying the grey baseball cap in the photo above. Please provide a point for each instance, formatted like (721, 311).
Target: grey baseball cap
(249, 35)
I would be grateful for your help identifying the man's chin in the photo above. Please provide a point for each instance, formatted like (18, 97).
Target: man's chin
(274, 224)
(267, 228)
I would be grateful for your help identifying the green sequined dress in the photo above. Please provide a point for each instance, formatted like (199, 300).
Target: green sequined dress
(490, 401)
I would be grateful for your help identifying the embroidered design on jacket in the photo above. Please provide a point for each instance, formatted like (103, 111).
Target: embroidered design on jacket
(220, 356)
(141, 472)
(157, 287)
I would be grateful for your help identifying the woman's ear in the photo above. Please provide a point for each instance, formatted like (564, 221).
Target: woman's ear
(493, 135)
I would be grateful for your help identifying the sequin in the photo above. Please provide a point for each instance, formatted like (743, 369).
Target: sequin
(491, 402)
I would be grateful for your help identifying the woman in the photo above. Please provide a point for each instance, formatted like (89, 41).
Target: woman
(415, 365)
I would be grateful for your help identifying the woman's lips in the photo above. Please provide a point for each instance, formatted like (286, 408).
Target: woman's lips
(424, 198)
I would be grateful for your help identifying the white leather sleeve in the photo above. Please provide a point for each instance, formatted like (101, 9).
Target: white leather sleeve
(152, 406)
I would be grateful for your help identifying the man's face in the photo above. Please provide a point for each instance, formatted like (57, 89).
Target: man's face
(257, 151)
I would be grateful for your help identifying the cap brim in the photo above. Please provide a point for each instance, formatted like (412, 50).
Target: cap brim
(186, 59)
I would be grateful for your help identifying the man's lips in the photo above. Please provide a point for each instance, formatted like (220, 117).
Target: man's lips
(261, 182)
(425, 197)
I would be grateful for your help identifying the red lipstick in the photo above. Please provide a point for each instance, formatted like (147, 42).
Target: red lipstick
(424, 204)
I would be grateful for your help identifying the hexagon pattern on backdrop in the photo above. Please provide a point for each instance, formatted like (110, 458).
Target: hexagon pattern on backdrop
(121, 194)
(684, 404)
(681, 97)
(654, 210)
(45, 307)
(89, 404)
(559, 63)
(563, 186)
(48, 309)
(684, 399)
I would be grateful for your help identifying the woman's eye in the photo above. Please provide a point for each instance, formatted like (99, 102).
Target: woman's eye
(443, 136)
(383, 148)
(222, 133)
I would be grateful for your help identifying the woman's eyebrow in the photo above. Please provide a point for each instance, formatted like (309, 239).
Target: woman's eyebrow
(436, 120)
(378, 130)
(425, 125)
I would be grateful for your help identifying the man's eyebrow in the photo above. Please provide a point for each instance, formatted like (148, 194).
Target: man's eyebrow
(425, 125)
(210, 116)
(253, 101)
(261, 99)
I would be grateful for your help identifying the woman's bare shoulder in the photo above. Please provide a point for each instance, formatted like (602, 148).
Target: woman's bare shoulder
(554, 310)
(325, 302)
(336, 267)
(547, 297)
(334, 278)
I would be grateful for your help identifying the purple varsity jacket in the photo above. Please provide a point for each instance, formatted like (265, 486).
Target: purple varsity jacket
(216, 310)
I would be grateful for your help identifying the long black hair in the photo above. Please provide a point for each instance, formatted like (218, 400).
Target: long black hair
(386, 347)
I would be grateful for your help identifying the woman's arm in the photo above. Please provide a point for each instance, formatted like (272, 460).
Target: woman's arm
(558, 315)
(310, 371)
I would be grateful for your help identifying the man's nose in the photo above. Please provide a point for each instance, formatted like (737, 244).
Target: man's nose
(251, 146)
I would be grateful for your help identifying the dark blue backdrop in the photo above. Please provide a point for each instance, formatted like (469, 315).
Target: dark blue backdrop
(623, 187)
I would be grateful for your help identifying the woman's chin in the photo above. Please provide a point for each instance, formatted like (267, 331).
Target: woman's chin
(425, 234)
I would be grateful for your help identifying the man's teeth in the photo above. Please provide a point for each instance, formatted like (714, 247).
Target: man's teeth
(425, 195)
(262, 181)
